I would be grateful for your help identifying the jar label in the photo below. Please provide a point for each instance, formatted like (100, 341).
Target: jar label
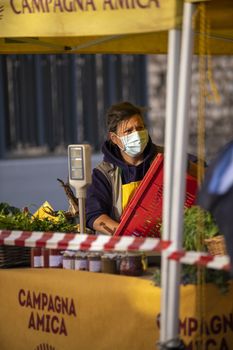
(67, 264)
(55, 260)
(80, 264)
(37, 261)
(95, 265)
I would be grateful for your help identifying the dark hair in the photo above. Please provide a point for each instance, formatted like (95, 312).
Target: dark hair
(119, 112)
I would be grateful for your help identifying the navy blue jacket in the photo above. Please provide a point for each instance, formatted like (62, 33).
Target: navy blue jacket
(218, 201)
(99, 193)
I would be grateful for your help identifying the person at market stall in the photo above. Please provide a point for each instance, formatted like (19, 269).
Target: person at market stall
(216, 195)
(128, 153)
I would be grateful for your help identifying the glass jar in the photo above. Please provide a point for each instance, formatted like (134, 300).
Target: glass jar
(131, 265)
(80, 261)
(36, 257)
(108, 263)
(118, 263)
(45, 257)
(94, 262)
(55, 258)
(68, 261)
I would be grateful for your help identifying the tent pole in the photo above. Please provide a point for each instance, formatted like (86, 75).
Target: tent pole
(170, 127)
(180, 165)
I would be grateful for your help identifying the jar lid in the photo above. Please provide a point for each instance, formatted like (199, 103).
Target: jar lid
(81, 255)
(109, 256)
(68, 253)
(132, 254)
(93, 255)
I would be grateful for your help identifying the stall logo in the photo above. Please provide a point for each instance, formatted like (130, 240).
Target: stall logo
(214, 331)
(1, 11)
(44, 347)
(59, 6)
(47, 312)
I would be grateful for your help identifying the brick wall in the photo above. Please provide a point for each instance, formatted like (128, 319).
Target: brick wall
(218, 117)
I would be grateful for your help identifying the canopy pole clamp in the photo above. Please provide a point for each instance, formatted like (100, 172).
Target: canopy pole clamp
(172, 344)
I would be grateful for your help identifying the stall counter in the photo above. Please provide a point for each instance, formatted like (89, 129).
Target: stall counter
(56, 309)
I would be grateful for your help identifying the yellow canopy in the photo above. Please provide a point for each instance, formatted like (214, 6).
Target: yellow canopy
(103, 26)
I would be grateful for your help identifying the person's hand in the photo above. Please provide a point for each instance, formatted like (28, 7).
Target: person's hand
(105, 225)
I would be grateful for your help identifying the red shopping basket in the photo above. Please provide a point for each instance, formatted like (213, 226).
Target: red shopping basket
(143, 215)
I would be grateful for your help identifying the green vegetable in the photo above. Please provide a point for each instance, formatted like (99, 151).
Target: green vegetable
(198, 226)
(198, 223)
(7, 209)
(12, 218)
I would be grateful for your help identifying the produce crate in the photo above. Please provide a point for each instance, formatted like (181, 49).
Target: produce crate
(12, 256)
(216, 245)
(143, 215)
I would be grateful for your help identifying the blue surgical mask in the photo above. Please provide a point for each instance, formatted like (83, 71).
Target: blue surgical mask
(134, 143)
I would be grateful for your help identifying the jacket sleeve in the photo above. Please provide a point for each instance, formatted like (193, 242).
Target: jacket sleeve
(99, 198)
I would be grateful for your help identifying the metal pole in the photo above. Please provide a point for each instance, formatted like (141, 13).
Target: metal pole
(82, 215)
(170, 128)
(180, 165)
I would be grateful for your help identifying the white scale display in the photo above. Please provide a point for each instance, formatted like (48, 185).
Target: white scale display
(79, 164)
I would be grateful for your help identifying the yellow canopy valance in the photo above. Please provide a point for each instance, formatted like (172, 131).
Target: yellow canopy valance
(103, 26)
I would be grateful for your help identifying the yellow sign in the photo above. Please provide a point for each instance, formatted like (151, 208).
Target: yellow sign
(104, 26)
(54, 18)
(44, 212)
(57, 309)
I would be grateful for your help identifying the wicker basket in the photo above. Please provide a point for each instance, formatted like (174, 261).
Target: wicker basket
(13, 256)
(216, 245)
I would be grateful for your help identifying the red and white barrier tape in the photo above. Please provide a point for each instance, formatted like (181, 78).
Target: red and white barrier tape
(72, 241)
(200, 258)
